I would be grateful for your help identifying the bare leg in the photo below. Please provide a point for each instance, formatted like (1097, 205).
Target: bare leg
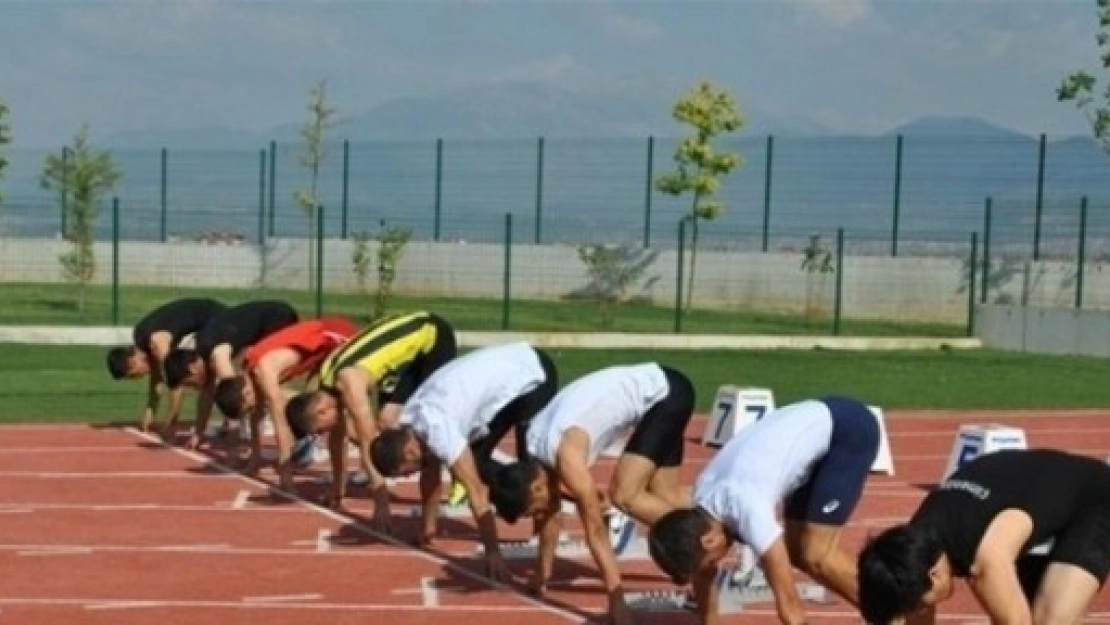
(815, 549)
(1064, 596)
(629, 490)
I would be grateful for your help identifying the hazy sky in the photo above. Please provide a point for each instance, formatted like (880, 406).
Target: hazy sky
(852, 65)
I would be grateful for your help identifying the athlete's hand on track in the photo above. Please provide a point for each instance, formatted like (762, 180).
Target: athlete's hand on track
(496, 569)
(382, 520)
(538, 585)
(619, 612)
(194, 443)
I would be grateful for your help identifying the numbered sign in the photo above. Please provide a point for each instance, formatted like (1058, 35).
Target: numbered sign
(884, 460)
(973, 441)
(735, 408)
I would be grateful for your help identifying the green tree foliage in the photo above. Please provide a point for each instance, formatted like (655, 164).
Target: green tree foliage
(321, 119)
(611, 271)
(5, 138)
(81, 178)
(709, 112)
(391, 248)
(360, 258)
(1080, 87)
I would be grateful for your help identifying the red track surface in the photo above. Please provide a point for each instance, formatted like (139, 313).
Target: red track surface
(99, 525)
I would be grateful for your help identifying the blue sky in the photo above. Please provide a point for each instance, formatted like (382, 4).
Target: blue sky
(855, 66)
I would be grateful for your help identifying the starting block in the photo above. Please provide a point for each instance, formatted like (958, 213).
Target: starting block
(735, 408)
(973, 441)
(732, 594)
(623, 535)
(884, 460)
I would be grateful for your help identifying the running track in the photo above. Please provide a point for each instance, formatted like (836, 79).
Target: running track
(101, 525)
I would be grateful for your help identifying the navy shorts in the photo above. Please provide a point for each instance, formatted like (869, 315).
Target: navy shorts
(834, 488)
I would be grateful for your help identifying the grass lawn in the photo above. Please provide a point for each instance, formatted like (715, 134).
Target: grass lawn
(63, 383)
(55, 304)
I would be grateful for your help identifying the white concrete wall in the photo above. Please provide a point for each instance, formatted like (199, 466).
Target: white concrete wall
(878, 287)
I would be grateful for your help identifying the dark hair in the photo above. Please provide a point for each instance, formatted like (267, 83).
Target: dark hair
(296, 414)
(675, 542)
(387, 450)
(894, 572)
(117, 361)
(510, 488)
(177, 366)
(229, 396)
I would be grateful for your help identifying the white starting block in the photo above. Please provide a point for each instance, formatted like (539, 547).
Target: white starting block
(734, 409)
(623, 534)
(973, 441)
(732, 595)
(884, 460)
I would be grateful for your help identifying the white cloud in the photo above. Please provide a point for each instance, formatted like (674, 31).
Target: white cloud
(630, 28)
(840, 13)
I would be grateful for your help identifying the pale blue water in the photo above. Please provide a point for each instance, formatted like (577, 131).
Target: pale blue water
(594, 191)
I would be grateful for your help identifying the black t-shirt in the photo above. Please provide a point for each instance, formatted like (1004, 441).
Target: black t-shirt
(244, 325)
(1049, 485)
(180, 318)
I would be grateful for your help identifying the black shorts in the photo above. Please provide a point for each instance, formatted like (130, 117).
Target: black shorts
(517, 415)
(423, 366)
(1084, 543)
(833, 490)
(661, 434)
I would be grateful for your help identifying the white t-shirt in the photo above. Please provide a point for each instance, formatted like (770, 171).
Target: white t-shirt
(456, 403)
(605, 404)
(759, 467)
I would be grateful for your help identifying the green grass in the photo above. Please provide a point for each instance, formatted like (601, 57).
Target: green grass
(62, 383)
(54, 304)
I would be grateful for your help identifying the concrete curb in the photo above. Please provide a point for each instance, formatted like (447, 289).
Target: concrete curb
(116, 335)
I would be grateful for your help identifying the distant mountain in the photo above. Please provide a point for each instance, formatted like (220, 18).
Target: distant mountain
(954, 126)
(206, 138)
(526, 109)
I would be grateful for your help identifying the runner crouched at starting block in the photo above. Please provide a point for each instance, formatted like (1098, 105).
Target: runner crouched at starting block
(812, 456)
(565, 440)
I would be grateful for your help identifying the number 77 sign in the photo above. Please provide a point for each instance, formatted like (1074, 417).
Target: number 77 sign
(735, 408)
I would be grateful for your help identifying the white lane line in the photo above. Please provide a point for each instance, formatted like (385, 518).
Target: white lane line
(429, 595)
(323, 541)
(198, 549)
(241, 500)
(312, 596)
(55, 551)
(531, 604)
(70, 450)
(78, 475)
(140, 507)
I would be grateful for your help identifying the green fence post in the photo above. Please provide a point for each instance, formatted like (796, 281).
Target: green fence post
(438, 206)
(769, 159)
(261, 198)
(972, 265)
(165, 190)
(1040, 199)
(897, 196)
(319, 261)
(1082, 254)
(65, 191)
(985, 287)
(507, 278)
(346, 186)
(115, 261)
(273, 183)
(678, 276)
(838, 301)
(648, 187)
(539, 189)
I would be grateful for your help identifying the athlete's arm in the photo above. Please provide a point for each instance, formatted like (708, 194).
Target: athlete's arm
(705, 595)
(354, 385)
(993, 576)
(219, 362)
(780, 576)
(159, 347)
(266, 378)
(547, 526)
(465, 470)
(571, 465)
(431, 493)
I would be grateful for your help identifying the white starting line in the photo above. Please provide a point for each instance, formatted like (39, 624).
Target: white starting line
(282, 603)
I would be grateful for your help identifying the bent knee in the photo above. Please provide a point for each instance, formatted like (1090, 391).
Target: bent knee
(621, 497)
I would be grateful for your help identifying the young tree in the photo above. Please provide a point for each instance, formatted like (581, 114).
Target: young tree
(5, 138)
(1079, 87)
(86, 177)
(612, 270)
(710, 112)
(321, 118)
(391, 248)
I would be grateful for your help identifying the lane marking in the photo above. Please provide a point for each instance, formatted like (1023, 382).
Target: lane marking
(200, 549)
(429, 594)
(241, 500)
(60, 550)
(531, 603)
(78, 475)
(70, 450)
(323, 541)
(139, 507)
(311, 596)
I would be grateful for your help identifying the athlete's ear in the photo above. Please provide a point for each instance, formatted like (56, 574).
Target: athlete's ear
(712, 540)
